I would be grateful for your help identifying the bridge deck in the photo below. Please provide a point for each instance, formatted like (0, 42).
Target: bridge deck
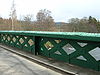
(12, 64)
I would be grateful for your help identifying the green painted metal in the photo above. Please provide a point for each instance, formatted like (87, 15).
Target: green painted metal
(77, 48)
(19, 41)
(66, 35)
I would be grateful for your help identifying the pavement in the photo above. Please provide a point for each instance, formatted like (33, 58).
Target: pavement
(12, 64)
(61, 65)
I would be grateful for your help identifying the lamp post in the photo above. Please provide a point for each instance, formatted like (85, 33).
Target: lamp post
(13, 14)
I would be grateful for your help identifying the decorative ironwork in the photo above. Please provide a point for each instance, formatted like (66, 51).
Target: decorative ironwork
(72, 48)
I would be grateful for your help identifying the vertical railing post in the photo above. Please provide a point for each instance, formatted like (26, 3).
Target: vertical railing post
(0, 37)
(37, 45)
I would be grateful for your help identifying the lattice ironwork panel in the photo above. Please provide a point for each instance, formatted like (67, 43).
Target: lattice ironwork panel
(82, 53)
(2, 38)
(28, 43)
(85, 54)
(5, 38)
(53, 48)
(82, 56)
(23, 42)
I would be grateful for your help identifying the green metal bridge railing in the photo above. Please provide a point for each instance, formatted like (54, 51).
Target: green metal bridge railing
(82, 49)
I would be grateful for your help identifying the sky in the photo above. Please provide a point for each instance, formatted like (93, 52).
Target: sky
(62, 10)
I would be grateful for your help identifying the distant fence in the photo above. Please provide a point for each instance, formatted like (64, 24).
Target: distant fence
(82, 49)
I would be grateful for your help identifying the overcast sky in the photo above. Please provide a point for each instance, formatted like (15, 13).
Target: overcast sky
(62, 10)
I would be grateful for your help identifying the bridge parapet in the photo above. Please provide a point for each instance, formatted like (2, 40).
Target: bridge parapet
(79, 48)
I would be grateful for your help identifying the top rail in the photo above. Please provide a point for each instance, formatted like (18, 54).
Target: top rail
(66, 35)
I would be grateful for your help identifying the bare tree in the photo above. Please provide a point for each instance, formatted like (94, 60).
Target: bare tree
(83, 25)
(27, 23)
(45, 21)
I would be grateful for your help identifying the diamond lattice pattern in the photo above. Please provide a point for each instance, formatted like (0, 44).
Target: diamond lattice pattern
(48, 45)
(82, 44)
(95, 53)
(21, 40)
(68, 49)
(31, 42)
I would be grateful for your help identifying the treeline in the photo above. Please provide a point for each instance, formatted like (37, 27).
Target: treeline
(86, 24)
(45, 22)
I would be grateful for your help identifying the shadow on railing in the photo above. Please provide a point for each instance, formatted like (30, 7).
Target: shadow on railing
(72, 47)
